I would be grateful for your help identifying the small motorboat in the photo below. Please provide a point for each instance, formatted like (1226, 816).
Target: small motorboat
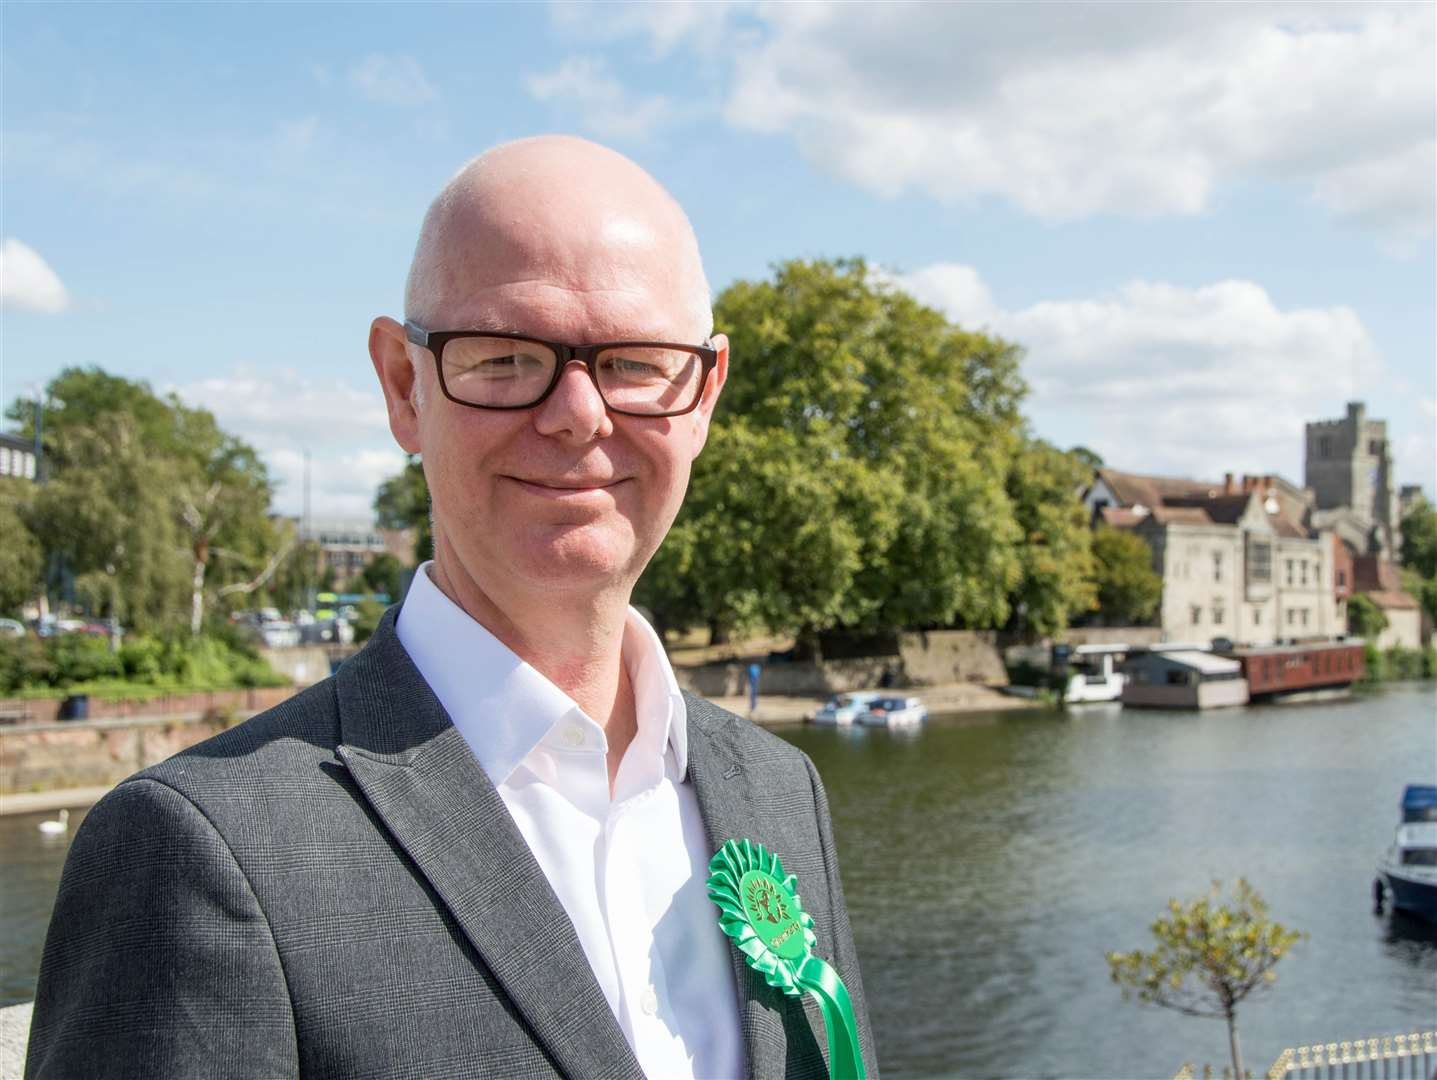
(1407, 872)
(845, 709)
(895, 712)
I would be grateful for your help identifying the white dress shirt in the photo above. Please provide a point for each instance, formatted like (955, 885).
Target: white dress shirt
(629, 870)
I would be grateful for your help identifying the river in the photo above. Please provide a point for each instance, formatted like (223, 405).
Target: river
(990, 860)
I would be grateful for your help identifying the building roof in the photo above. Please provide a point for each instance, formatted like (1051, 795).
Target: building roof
(1206, 663)
(1120, 517)
(1374, 574)
(1285, 527)
(1392, 601)
(1181, 515)
(1220, 508)
(1133, 489)
(15, 442)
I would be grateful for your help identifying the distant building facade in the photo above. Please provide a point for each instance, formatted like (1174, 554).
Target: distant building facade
(348, 545)
(1236, 560)
(17, 457)
(1349, 468)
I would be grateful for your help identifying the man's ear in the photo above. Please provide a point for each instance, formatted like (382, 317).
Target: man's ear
(712, 388)
(389, 349)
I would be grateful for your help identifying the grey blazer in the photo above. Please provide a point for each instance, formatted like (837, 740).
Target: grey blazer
(335, 889)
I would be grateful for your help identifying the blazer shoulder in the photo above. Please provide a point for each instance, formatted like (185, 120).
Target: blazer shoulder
(290, 737)
(740, 735)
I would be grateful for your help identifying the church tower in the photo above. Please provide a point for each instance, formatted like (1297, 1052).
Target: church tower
(1349, 463)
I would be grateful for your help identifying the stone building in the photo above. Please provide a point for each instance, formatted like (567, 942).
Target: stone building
(1349, 472)
(1237, 560)
(17, 456)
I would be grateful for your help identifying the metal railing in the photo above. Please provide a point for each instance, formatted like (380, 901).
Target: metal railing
(1391, 1057)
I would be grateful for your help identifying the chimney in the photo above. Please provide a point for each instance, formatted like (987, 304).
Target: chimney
(1227, 485)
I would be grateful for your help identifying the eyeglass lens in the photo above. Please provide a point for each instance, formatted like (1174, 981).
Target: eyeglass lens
(505, 372)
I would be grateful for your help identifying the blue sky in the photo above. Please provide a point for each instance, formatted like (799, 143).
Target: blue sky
(1205, 223)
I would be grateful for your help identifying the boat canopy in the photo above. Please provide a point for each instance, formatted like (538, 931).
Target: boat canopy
(1419, 803)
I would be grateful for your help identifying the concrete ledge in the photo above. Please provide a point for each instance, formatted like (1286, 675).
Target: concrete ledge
(14, 1036)
(40, 802)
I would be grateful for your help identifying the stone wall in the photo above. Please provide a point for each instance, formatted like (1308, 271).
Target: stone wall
(92, 753)
(932, 658)
(47, 710)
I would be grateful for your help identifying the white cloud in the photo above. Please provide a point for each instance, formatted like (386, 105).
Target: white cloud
(1165, 379)
(392, 80)
(1071, 110)
(283, 414)
(604, 107)
(26, 281)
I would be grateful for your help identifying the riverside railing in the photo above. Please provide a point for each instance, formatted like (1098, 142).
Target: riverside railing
(1390, 1057)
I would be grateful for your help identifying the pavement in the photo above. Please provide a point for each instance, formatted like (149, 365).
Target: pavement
(14, 1035)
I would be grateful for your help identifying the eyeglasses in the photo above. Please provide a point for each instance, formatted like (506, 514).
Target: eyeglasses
(493, 370)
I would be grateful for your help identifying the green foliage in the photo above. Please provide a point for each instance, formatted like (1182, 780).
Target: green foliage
(382, 575)
(1055, 554)
(21, 558)
(855, 474)
(367, 618)
(78, 661)
(1129, 589)
(1364, 618)
(402, 502)
(1212, 954)
(149, 506)
(1422, 589)
(1397, 663)
(1419, 538)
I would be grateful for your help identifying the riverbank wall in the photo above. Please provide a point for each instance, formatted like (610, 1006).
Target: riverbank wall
(918, 659)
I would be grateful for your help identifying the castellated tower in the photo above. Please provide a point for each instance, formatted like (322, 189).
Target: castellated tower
(1349, 463)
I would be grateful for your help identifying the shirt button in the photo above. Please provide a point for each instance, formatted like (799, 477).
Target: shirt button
(573, 736)
(649, 1002)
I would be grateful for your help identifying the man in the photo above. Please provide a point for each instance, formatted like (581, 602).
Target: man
(481, 848)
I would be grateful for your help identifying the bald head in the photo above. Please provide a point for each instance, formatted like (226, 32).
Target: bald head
(554, 212)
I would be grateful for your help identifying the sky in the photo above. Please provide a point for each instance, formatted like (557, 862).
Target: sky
(1206, 224)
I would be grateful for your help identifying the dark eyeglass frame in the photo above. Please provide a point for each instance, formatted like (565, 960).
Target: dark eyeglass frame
(435, 340)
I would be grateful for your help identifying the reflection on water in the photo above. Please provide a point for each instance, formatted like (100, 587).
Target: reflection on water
(29, 876)
(991, 860)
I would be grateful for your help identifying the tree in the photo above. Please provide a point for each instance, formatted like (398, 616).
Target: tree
(21, 559)
(1055, 555)
(402, 502)
(382, 575)
(1419, 538)
(1364, 618)
(1210, 957)
(150, 507)
(855, 477)
(1129, 589)
(1091, 459)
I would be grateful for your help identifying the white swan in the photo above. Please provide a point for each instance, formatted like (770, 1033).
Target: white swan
(53, 828)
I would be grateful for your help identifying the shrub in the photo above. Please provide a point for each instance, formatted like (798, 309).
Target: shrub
(23, 662)
(79, 658)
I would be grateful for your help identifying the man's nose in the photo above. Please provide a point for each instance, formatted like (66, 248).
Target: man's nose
(575, 409)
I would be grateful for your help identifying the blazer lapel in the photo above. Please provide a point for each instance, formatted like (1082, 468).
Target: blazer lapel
(423, 782)
(776, 1028)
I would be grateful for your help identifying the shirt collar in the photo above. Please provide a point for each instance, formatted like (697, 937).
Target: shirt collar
(503, 707)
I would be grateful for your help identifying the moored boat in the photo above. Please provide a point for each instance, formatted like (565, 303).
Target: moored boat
(842, 710)
(1408, 869)
(895, 712)
(1183, 679)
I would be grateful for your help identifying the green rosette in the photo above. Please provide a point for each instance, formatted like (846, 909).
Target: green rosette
(760, 911)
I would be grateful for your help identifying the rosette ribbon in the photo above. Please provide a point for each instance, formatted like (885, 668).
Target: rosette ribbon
(760, 911)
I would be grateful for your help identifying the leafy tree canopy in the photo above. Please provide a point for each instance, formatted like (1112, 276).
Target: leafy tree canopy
(1211, 954)
(1419, 538)
(1364, 618)
(150, 508)
(402, 502)
(1129, 589)
(855, 476)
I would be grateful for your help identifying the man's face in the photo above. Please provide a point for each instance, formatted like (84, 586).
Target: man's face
(564, 496)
